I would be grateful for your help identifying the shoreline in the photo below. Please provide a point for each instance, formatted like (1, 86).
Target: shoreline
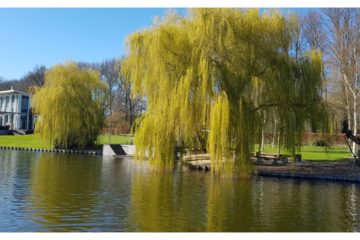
(341, 170)
(55, 150)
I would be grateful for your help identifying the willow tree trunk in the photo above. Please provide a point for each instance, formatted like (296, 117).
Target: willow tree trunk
(274, 131)
(278, 144)
(263, 135)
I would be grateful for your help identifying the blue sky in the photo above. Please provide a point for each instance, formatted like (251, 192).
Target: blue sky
(30, 37)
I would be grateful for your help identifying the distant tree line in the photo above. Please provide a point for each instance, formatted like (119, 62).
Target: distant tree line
(34, 77)
(122, 108)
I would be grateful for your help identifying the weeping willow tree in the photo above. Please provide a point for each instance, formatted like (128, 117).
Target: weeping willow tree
(209, 78)
(70, 105)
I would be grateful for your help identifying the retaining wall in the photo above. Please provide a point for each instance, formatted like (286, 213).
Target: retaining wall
(68, 151)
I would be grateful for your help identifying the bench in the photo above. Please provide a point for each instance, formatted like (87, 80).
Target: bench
(274, 158)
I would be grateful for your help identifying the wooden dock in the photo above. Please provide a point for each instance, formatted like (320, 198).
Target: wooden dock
(197, 161)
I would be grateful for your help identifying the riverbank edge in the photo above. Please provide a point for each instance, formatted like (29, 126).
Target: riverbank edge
(338, 178)
(263, 173)
(341, 171)
(55, 150)
(294, 175)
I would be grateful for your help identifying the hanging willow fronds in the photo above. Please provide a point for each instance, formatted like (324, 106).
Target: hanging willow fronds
(219, 131)
(70, 105)
(220, 70)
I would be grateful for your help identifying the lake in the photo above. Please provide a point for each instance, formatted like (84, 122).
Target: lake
(56, 192)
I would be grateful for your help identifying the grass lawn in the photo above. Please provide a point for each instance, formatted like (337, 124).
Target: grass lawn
(31, 140)
(307, 152)
(35, 141)
(318, 153)
(104, 139)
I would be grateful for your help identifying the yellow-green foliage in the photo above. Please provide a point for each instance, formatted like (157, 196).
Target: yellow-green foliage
(219, 131)
(220, 70)
(70, 105)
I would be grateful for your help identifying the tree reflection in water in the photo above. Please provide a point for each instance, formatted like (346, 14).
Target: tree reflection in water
(65, 191)
(57, 192)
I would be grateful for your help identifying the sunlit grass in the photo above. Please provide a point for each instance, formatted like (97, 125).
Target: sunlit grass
(307, 152)
(31, 141)
(35, 141)
(318, 153)
(104, 139)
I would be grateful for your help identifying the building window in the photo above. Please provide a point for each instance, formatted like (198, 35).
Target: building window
(24, 104)
(23, 120)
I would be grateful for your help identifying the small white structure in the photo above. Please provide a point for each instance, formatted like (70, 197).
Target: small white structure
(108, 151)
(15, 110)
(118, 149)
(129, 149)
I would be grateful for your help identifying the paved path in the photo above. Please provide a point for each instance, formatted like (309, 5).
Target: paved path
(324, 170)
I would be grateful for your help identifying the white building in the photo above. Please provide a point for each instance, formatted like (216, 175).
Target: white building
(15, 110)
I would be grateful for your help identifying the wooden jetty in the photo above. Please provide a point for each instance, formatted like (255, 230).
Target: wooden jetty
(197, 161)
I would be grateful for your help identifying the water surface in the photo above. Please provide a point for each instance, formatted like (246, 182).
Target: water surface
(56, 192)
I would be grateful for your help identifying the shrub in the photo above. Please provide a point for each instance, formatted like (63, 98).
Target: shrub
(320, 143)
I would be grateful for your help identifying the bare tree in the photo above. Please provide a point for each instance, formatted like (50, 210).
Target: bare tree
(121, 107)
(132, 106)
(36, 77)
(344, 50)
(109, 72)
(314, 31)
(315, 38)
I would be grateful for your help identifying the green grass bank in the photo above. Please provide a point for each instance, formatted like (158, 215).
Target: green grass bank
(335, 153)
(35, 141)
(307, 152)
